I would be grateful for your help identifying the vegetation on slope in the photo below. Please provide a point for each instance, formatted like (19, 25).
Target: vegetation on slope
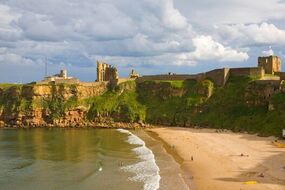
(183, 103)
(11, 100)
(228, 109)
(120, 103)
(15, 99)
(166, 106)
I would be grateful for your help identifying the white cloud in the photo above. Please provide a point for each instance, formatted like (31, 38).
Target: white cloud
(252, 34)
(268, 52)
(208, 49)
(11, 58)
(140, 33)
(7, 31)
(209, 12)
(172, 17)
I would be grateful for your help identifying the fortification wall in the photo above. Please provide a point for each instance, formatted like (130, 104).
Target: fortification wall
(93, 84)
(122, 80)
(166, 77)
(66, 81)
(59, 81)
(218, 76)
(247, 71)
(281, 75)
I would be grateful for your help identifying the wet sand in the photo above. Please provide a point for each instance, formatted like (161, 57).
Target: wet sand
(170, 171)
(226, 160)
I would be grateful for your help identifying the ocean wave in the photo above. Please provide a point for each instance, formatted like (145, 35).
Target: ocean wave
(147, 170)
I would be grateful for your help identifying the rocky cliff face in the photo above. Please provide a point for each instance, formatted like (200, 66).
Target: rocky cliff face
(82, 105)
(263, 93)
(243, 104)
(46, 105)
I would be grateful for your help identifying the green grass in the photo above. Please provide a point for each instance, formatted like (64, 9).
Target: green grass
(173, 83)
(7, 85)
(121, 103)
(227, 108)
(163, 106)
(170, 103)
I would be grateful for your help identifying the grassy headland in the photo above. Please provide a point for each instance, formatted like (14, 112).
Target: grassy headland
(240, 105)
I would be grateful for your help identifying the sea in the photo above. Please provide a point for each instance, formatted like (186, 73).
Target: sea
(100, 159)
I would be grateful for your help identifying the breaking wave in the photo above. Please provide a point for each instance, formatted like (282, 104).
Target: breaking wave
(147, 170)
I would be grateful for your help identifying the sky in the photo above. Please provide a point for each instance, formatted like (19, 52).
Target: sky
(150, 36)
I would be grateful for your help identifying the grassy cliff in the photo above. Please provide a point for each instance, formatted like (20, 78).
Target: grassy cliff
(229, 108)
(120, 103)
(241, 105)
(190, 103)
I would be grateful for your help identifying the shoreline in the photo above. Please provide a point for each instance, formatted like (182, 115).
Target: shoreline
(186, 174)
(102, 125)
(225, 159)
(170, 171)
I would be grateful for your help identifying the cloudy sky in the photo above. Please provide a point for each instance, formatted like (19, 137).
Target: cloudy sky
(150, 36)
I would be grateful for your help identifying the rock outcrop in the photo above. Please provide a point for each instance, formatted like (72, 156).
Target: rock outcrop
(34, 105)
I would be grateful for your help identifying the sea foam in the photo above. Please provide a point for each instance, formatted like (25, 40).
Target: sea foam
(147, 170)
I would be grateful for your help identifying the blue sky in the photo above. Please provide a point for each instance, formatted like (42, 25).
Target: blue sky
(150, 36)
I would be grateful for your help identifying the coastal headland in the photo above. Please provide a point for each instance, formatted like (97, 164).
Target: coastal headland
(243, 100)
(239, 99)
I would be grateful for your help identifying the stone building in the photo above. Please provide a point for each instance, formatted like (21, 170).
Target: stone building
(106, 72)
(61, 78)
(134, 74)
(271, 64)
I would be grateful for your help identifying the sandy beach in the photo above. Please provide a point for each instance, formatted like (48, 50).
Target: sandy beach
(226, 160)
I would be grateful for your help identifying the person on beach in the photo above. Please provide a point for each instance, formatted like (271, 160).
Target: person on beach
(242, 155)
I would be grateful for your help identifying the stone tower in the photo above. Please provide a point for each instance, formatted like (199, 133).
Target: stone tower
(134, 74)
(271, 64)
(106, 72)
(63, 73)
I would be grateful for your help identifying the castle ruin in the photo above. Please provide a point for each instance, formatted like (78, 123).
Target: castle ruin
(106, 72)
(266, 65)
(109, 74)
(271, 64)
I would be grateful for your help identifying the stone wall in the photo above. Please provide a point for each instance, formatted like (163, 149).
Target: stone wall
(166, 77)
(66, 81)
(281, 75)
(249, 71)
(91, 84)
(59, 81)
(218, 76)
(122, 80)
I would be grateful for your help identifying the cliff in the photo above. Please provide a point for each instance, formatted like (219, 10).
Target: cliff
(43, 105)
(243, 104)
